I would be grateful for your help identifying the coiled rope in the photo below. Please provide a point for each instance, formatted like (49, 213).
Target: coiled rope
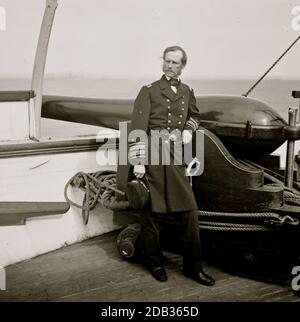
(233, 227)
(290, 198)
(101, 187)
(237, 215)
(271, 221)
(98, 187)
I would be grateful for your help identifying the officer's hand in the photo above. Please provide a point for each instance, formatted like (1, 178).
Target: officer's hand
(139, 171)
(186, 136)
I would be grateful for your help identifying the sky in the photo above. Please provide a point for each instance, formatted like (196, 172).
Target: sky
(126, 38)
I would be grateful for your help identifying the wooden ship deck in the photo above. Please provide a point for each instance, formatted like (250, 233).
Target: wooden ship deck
(93, 271)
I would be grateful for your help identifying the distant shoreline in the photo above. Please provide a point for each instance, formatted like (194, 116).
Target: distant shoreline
(94, 78)
(275, 92)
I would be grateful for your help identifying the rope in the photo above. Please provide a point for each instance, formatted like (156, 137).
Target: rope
(246, 228)
(290, 198)
(101, 187)
(98, 187)
(239, 215)
(271, 221)
(273, 65)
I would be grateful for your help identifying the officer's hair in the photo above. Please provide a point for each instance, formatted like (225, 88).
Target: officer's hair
(175, 48)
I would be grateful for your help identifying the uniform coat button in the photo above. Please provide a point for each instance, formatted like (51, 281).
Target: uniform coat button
(169, 121)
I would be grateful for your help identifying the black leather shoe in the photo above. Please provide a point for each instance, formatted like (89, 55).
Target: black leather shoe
(201, 278)
(159, 273)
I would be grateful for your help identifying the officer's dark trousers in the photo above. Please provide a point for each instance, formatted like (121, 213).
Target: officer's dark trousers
(151, 224)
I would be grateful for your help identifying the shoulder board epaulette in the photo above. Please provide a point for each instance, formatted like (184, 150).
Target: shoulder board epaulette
(188, 87)
(150, 85)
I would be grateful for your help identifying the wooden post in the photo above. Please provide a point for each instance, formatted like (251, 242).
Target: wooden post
(289, 170)
(296, 94)
(39, 68)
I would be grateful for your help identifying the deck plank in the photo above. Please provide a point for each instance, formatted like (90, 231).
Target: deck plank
(94, 271)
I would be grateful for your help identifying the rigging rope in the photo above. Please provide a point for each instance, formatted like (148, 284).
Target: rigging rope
(273, 65)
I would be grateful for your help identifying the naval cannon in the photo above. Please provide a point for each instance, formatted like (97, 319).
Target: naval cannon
(246, 126)
(249, 207)
(248, 213)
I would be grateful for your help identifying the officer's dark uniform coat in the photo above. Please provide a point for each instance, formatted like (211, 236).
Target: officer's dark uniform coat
(158, 107)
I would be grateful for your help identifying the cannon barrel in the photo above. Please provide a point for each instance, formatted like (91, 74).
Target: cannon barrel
(244, 125)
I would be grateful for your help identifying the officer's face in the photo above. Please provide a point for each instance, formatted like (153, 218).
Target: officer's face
(172, 65)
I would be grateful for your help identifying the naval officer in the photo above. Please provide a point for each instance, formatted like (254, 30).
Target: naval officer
(167, 105)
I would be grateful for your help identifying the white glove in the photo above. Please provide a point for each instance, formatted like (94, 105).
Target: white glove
(193, 167)
(139, 171)
(186, 136)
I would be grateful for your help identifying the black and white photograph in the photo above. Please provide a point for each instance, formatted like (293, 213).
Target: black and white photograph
(149, 154)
